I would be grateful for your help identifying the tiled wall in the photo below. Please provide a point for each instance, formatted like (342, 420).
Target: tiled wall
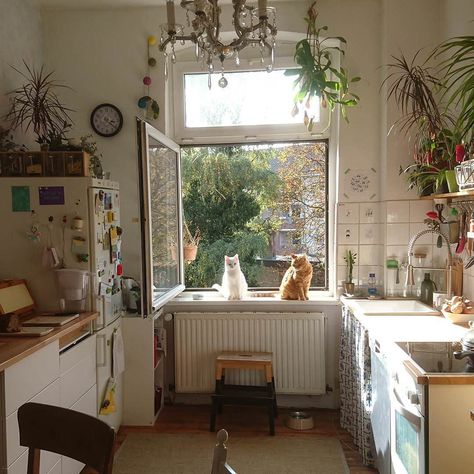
(381, 231)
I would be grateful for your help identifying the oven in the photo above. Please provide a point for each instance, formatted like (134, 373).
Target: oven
(408, 430)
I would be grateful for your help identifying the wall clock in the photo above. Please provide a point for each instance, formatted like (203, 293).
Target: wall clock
(106, 120)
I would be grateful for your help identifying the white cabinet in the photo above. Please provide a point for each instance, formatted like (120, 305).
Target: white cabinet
(46, 376)
(144, 377)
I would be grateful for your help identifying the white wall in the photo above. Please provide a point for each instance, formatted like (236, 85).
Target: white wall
(20, 39)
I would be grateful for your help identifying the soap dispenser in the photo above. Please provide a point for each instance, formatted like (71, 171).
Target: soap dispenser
(428, 286)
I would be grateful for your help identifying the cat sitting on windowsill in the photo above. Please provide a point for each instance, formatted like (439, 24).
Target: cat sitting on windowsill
(234, 285)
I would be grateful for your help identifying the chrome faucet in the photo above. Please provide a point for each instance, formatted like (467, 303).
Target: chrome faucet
(410, 280)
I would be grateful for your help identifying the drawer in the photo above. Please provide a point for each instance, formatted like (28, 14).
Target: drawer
(86, 404)
(50, 396)
(69, 358)
(77, 380)
(28, 377)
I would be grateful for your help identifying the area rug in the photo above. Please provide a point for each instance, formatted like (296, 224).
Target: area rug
(192, 454)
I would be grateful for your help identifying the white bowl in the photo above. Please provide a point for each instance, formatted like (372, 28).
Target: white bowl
(458, 318)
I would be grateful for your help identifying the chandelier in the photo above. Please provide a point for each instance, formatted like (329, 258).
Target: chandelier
(253, 25)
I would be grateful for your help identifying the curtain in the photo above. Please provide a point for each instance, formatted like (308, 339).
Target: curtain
(355, 384)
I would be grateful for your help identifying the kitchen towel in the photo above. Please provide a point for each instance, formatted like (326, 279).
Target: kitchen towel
(118, 355)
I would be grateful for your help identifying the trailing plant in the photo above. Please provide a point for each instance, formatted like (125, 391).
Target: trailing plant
(317, 75)
(7, 143)
(95, 164)
(350, 259)
(36, 105)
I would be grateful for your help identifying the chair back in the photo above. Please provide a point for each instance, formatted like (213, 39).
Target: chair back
(219, 461)
(68, 433)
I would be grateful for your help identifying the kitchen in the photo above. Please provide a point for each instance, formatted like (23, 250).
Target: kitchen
(101, 54)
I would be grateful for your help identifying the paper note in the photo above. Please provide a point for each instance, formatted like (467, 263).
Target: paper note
(51, 195)
(21, 199)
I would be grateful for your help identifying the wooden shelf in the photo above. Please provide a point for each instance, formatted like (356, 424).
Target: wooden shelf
(459, 194)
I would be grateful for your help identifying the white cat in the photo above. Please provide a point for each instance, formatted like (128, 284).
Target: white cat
(234, 286)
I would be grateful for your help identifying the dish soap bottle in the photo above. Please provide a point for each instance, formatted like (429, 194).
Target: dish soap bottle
(427, 288)
(372, 288)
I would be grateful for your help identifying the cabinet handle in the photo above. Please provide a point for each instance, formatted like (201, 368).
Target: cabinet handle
(102, 338)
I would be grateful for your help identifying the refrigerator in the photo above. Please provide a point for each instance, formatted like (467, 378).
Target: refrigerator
(50, 223)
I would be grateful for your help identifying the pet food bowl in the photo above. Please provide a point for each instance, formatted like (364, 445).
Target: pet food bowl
(299, 420)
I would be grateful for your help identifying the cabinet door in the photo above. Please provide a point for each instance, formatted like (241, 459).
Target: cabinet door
(28, 377)
(50, 396)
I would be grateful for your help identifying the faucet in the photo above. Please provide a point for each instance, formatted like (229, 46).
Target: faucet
(410, 280)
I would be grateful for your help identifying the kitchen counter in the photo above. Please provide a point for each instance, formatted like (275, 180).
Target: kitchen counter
(388, 329)
(13, 349)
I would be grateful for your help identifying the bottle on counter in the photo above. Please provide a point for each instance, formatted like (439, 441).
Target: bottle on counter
(428, 286)
(372, 288)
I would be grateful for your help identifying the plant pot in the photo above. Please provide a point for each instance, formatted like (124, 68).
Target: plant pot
(451, 180)
(426, 190)
(190, 252)
(442, 188)
(349, 288)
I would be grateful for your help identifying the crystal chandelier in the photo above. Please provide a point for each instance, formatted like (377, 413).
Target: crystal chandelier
(254, 25)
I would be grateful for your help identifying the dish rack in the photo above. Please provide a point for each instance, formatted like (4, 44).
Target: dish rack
(465, 175)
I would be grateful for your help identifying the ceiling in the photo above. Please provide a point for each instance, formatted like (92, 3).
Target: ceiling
(105, 4)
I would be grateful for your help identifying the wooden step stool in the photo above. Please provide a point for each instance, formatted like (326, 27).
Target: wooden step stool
(244, 394)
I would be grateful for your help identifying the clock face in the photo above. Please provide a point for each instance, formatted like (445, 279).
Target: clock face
(106, 120)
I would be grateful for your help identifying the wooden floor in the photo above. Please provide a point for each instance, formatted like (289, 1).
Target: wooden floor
(249, 420)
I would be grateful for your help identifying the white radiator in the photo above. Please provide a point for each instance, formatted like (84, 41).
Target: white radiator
(295, 339)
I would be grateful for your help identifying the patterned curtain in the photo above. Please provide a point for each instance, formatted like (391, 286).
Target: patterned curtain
(355, 384)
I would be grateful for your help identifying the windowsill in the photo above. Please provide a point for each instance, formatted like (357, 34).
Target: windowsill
(212, 301)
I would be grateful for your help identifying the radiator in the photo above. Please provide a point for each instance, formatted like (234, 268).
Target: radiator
(295, 339)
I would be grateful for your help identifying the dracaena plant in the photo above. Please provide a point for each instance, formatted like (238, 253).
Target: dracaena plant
(317, 76)
(35, 105)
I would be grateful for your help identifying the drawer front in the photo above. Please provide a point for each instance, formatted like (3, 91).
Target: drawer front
(86, 404)
(72, 356)
(50, 396)
(28, 377)
(77, 381)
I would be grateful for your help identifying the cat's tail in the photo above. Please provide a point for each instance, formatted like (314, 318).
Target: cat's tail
(219, 288)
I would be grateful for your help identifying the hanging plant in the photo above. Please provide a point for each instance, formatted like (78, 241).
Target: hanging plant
(317, 76)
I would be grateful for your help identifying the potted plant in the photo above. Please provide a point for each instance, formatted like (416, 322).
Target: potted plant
(190, 243)
(95, 164)
(36, 105)
(317, 76)
(350, 259)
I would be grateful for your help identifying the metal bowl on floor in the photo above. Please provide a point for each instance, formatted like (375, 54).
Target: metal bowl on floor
(300, 420)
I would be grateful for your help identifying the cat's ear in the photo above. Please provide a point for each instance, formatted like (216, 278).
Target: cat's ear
(294, 256)
(227, 258)
(236, 257)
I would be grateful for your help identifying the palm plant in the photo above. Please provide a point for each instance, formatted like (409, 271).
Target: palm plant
(458, 70)
(317, 76)
(35, 105)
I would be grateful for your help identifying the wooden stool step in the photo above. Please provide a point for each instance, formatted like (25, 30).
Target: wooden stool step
(243, 394)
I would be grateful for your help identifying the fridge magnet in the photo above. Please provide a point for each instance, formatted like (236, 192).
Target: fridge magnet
(21, 199)
(106, 241)
(82, 257)
(113, 244)
(51, 195)
(78, 244)
(77, 223)
(107, 200)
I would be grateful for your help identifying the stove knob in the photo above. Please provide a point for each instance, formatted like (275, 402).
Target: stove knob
(413, 397)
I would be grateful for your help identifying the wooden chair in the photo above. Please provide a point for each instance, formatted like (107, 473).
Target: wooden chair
(68, 433)
(219, 461)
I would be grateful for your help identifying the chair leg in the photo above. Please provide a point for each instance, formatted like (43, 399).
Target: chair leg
(212, 424)
(275, 407)
(271, 419)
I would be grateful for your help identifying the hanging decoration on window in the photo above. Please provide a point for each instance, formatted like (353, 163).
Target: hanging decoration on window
(146, 102)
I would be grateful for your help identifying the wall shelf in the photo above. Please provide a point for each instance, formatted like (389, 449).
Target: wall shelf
(468, 193)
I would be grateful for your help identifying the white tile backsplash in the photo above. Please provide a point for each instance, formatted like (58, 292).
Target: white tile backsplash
(348, 213)
(397, 234)
(369, 212)
(369, 234)
(418, 210)
(348, 234)
(370, 254)
(398, 211)
(418, 227)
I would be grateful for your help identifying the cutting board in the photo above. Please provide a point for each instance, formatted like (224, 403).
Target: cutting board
(54, 321)
(35, 331)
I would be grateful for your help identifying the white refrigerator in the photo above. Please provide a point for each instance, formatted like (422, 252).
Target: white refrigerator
(53, 222)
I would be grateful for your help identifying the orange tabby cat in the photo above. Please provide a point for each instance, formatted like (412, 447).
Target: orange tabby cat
(297, 279)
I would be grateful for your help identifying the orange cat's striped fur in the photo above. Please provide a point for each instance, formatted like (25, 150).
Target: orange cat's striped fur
(297, 280)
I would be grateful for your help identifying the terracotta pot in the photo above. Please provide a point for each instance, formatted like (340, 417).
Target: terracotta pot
(349, 288)
(190, 252)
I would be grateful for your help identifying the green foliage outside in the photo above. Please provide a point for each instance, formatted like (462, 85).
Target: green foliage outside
(225, 190)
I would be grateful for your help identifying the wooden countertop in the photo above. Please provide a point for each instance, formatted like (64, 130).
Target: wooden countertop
(13, 349)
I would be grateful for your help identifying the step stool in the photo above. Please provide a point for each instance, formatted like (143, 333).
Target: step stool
(244, 394)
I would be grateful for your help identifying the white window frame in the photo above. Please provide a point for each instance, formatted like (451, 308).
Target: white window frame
(175, 127)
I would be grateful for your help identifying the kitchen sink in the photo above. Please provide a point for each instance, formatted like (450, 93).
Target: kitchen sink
(394, 307)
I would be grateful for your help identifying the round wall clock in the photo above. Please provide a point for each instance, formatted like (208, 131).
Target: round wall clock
(106, 120)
